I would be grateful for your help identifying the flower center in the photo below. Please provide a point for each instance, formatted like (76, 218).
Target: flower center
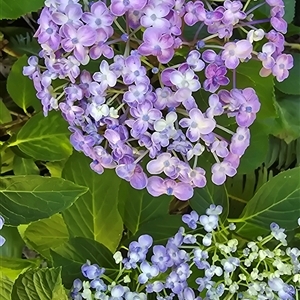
(169, 191)
(281, 66)
(145, 118)
(164, 94)
(249, 109)
(75, 41)
(136, 73)
(126, 2)
(153, 17)
(231, 52)
(98, 22)
(194, 124)
(166, 163)
(49, 30)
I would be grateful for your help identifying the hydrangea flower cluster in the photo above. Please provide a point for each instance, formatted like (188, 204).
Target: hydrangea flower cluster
(2, 239)
(229, 268)
(144, 102)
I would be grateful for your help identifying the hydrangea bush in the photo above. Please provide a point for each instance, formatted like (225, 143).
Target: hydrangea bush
(150, 150)
(141, 112)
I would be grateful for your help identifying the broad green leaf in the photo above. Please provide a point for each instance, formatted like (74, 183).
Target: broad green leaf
(5, 116)
(13, 9)
(257, 151)
(6, 161)
(25, 166)
(161, 229)
(278, 201)
(20, 87)
(45, 138)
(13, 245)
(210, 194)
(289, 10)
(25, 199)
(55, 168)
(6, 286)
(74, 253)
(138, 207)
(94, 215)
(47, 233)
(287, 126)
(248, 76)
(291, 85)
(43, 284)
(12, 267)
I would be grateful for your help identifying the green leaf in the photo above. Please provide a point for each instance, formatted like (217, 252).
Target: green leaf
(5, 116)
(248, 76)
(47, 233)
(45, 138)
(161, 229)
(6, 160)
(138, 207)
(291, 85)
(44, 284)
(94, 215)
(278, 201)
(13, 267)
(24, 166)
(20, 87)
(287, 126)
(25, 199)
(210, 194)
(55, 168)
(13, 9)
(13, 245)
(6, 286)
(257, 151)
(74, 253)
(289, 9)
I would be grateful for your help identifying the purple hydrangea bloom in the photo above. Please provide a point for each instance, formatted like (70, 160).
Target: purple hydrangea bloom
(148, 272)
(158, 186)
(215, 77)
(277, 20)
(192, 12)
(166, 163)
(155, 16)
(250, 106)
(186, 79)
(99, 18)
(77, 40)
(71, 16)
(233, 12)
(194, 62)
(160, 258)
(134, 174)
(134, 72)
(145, 116)
(106, 77)
(233, 52)
(191, 219)
(157, 43)
(220, 171)
(197, 124)
(91, 271)
(120, 7)
(47, 32)
(283, 63)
